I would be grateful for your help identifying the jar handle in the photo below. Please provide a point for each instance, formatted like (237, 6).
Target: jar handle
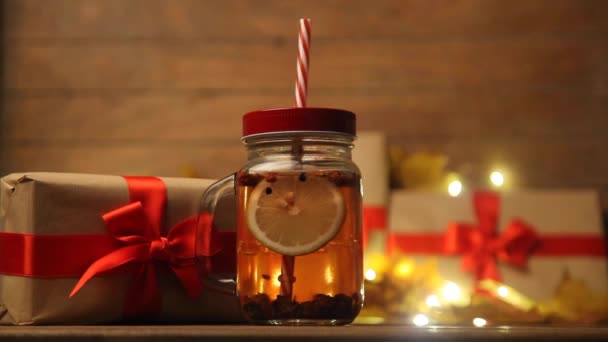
(216, 193)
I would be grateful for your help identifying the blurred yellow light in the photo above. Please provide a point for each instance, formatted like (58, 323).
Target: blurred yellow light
(420, 320)
(379, 262)
(502, 291)
(508, 294)
(479, 322)
(497, 178)
(329, 275)
(369, 320)
(455, 188)
(275, 278)
(432, 301)
(403, 269)
(451, 292)
(370, 275)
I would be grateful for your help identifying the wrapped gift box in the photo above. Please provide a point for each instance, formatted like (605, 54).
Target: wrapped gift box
(371, 157)
(513, 247)
(55, 227)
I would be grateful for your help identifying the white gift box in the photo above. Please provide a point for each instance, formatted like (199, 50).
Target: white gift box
(567, 225)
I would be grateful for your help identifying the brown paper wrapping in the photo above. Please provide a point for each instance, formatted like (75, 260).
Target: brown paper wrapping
(60, 203)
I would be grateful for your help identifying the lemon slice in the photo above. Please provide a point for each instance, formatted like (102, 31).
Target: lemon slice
(296, 213)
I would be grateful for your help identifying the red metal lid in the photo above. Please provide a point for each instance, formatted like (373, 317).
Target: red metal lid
(307, 119)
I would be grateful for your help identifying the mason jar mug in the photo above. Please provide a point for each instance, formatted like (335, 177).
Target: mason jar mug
(298, 217)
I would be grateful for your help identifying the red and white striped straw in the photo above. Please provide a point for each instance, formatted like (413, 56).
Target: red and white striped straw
(288, 262)
(286, 278)
(303, 61)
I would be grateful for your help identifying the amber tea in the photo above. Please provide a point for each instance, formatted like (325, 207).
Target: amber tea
(314, 216)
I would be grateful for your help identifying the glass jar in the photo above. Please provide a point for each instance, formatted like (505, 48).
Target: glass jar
(299, 253)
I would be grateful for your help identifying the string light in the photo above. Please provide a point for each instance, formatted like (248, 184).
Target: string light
(479, 322)
(420, 320)
(455, 188)
(502, 291)
(497, 178)
(432, 301)
(329, 275)
(370, 275)
(275, 277)
(451, 292)
(376, 261)
(403, 269)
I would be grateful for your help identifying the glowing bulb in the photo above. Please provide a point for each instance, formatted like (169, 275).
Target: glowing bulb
(497, 178)
(420, 320)
(403, 269)
(479, 322)
(455, 188)
(432, 301)
(451, 291)
(329, 275)
(370, 275)
(377, 262)
(503, 291)
(275, 278)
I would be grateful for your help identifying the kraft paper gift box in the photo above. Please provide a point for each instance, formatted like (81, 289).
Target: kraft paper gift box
(514, 246)
(55, 227)
(370, 155)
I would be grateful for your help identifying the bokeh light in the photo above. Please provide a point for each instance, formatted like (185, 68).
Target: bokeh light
(420, 320)
(503, 291)
(451, 292)
(432, 301)
(370, 275)
(479, 322)
(455, 188)
(497, 178)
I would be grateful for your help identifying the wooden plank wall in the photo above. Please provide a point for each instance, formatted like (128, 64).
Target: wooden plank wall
(157, 86)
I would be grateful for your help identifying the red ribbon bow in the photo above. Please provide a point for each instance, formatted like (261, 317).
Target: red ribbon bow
(481, 245)
(138, 226)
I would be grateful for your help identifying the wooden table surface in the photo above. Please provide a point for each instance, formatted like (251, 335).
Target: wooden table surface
(295, 334)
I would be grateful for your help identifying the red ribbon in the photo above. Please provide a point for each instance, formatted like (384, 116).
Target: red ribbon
(589, 245)
(482, 247)
(374, 218)
(28, 255)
